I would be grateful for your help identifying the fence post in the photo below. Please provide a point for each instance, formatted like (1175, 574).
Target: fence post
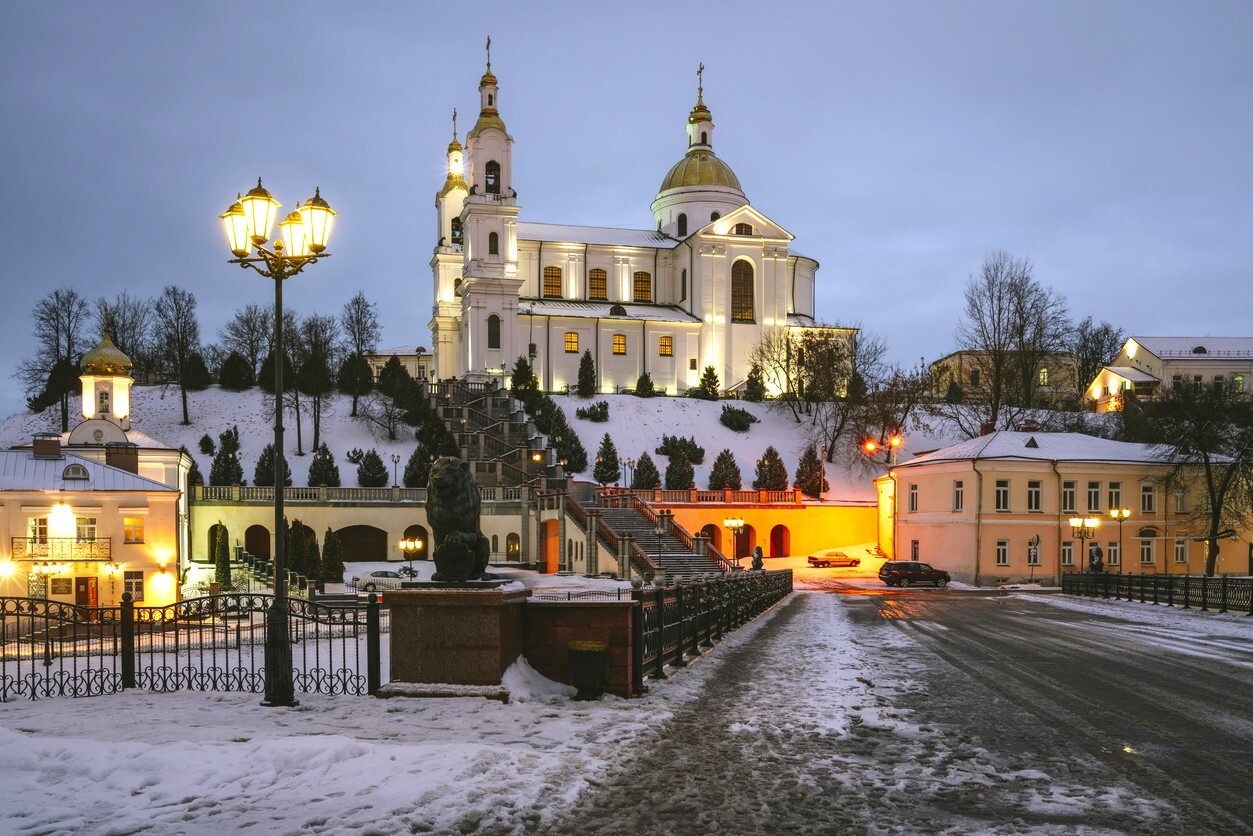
(1156, 578)
(1186, 596)
(373, 666)
(128, 641)
(681, 609)
(1142, 587)
(1204, 591)
(659, 601)
(637, 642)
(1222, 595)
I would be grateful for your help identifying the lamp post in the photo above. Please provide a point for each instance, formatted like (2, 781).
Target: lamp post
(736, 525)
(889, 447)
(630, 466)
(408, 547)
(46, 569)
(395, 464)
(1084, 529)
(1120, 514)
(304, 236)
(663, 525)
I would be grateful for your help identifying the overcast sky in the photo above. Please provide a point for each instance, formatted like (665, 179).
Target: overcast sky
(900, 142)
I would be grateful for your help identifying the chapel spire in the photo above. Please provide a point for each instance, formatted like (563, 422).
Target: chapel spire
(700, 122)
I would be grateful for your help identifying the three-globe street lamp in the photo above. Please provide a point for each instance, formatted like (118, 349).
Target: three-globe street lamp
(1084, 529)
(1120, 514)
(736, 525)
(304, 236)
(409, 547)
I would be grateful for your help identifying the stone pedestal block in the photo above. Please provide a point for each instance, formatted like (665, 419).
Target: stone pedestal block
(455, 636)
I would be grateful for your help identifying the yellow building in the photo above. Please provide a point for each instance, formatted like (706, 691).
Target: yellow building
(999, 509)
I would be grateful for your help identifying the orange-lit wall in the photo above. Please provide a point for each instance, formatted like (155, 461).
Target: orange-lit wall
(810, 527)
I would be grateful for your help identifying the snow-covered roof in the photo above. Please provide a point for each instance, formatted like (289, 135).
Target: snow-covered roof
(1129, 373)
(561, 307)
(1043, 446)
(399, 351)
(1237, 347)
(610, 236)
(20, 470)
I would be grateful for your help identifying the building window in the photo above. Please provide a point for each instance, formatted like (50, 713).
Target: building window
(104, 403)
(133, 529)
(1180, 500)
(493, 331)
(491, 177)
(974, 377)
(691, 364)
(1176, 382)
(572, 342)
(913, 550)
(1237, 382)
(913, 498)
(1181, 550)
(1044, 377)
(643, 287)
(1147, 503)
(1033, 555)
(742, 291)
(743, 229)
(493, 243)
(513, 547)
(1002, 494)
(619, 343)
(552, 282)
(1115, 495)
(133, 582)
(85, 530)
(713, 216)
(1002, 552)
(683, 286)
(1034, 491)
(456, 232)
(597, 284)
(1094, 497)
(1146, 552)
(1068, 553)
(665, 346)
(959, 495)
(1068, 497)
(682, 224)
(74, 470)
(1112, 557)
(37, 529)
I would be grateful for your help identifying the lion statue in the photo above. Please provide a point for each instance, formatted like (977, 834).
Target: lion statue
(452, 507)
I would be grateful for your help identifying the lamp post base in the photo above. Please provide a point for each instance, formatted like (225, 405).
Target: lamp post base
(279, 688)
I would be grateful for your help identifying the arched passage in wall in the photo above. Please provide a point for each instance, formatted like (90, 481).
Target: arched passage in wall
(714, 533)
(419, 533)
(363, 542)
(549, 546)
(211, 553)
(780, 541)
(513, 548)
(257, 541)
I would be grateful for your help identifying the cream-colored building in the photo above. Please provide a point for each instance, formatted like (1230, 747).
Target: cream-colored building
(997, 509)
(416, 360)
(1147, 365)
(1056, 376)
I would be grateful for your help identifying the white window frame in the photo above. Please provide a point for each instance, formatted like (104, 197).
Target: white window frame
(1149, 550)
(1068, 553)
(1068, 497)
(1113, 556)
(1115, 495)
(1035, 496)
(1002, 552)
(1001, 495)
(1094, 497)
(85, 529)
(959, 495)
(133, 582)
(913, 498)
(1148, 499)
(1181, 550)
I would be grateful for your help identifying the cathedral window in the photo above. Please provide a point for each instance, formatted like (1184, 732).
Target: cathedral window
(665, 347)
(619, 343)
(683, 286)
(552, 282)
(491, 177)
(597, 284)
(572, 342)
(493, 243)
(743, 229)
(742, 291)
(682, 224)
(456, 232)
(493, 331)
(704, 137)
(713, 216)
(643, 287)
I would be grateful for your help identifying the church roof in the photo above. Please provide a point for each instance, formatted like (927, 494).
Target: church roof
(594, 310)
(106, 359)
(595, 235)
(700, 168)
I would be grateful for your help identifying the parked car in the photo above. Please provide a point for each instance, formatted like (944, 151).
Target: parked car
(832, 557)
(381, 579)
(908, 572)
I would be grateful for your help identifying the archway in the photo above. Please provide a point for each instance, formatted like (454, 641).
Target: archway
(213, 542)
(780, 541)
(513, 548)
(714, 533)
(419, 533)
(363, 542)
(549, 547)
(257, 541)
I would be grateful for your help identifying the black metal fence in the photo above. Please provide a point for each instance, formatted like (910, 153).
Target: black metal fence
(678, 623)
(1217, 594)
(215, 643)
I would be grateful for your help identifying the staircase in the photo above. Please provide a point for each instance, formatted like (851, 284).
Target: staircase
(669, 553)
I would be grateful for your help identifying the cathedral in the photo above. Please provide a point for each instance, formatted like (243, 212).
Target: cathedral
(700, 288)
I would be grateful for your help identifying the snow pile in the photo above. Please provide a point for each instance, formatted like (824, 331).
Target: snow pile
(525, 684)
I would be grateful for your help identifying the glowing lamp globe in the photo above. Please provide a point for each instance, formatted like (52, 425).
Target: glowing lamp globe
(292, 229)
(260, 210)
(236, 229)
(318, 218)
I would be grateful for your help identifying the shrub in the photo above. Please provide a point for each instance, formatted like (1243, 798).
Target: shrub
(737, 419)
(207, 446)
(597, 412)
(372, 473)
(646, 476)
(679, 473)
(725, 473)
(331, 569)
(323, 470)
(755, 386)
(670, 444)
(355, 455)
(644, 386)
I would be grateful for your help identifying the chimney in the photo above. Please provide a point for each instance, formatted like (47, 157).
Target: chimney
(47, 446)
(122, 455)
(987, 427)
(1029, 425)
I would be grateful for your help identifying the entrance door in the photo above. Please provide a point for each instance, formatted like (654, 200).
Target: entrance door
(86, 592)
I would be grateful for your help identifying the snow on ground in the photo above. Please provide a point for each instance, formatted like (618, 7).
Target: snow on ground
(1176, 621)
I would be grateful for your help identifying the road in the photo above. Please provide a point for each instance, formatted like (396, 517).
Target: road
(968, 714)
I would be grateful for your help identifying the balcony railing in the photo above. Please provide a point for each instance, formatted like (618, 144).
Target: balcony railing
(62, 548)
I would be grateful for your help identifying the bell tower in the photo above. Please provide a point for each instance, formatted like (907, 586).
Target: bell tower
(106, 384)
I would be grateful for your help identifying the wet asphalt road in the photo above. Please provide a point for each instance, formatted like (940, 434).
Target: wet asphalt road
(975, 714)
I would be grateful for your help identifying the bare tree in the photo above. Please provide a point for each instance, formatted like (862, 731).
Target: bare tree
(250, 332)
(129, 321)
(316, 348)
(854, 372)
(362, 331)
(178, 334)
(381, 414)
(1094, 346)
(59, 319)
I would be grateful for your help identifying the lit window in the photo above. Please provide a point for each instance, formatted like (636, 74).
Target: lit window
(493, 331)
(133, 582)
(597, 284)
(1044, 377)
(85, 530)
(1002, 552)
(133, 529)
(665, 346)
(1034, 492)
(1002, 494)
(552, 282)
(742, 291)
(572, 342)
(643, 287)
(619, 343)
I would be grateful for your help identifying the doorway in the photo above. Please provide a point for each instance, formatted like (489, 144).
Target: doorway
(87, 592)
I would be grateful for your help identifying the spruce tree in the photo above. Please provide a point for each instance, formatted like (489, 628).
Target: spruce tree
(331, 569)
(263, 473)
(608, 470)
(646, 476)
(394, 378)
(372, 473)
(679, 473)
(725, 473)
(196, 375)
(418, 469)
(236, 373)
(523, 383)
(587, 375)
(755, 386)
(265, 378)
(207, 446)
(810, 477)
(226, 469)
(771, 472)
(644, 386)
(194, 476)
(222, 557)
(313, 556)
(709, 387)
(323, 470)
(295, 558)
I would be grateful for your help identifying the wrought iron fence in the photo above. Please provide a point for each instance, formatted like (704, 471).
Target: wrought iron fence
(1219, 594)
(674, 624)
(213, 643)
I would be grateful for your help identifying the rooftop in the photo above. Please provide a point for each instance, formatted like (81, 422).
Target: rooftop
(21, 471)
(604, 235)
(1229, 347)
(1043, 446)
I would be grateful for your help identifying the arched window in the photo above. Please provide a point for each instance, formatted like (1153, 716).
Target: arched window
(704, 138)
(619, 343)
(742, 291)
(74, 471)
(495, 543)
(617, 310)
(643, 287)
(713, 216)
(456, 232)
(683, 286)
(682, 224)
(493, 331)
(491, 177)
(493, 243)
(552, 282)
(743, 229)
(513, 547)
(491, 100)
(597, 284)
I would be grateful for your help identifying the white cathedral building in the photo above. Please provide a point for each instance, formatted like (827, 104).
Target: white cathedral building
(698, 289)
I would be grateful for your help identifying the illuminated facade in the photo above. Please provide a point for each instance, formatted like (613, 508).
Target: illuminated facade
(1147, 364)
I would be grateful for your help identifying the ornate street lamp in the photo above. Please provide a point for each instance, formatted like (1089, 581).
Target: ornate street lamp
(395, 461)
(736, 525)
(305, 234)
(889, 447)
(1120, 514)
(1084, 529)
(409, 547)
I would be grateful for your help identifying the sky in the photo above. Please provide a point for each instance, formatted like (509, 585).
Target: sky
(899, 142)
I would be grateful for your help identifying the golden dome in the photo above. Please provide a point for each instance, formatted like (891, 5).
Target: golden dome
(700, 168)
(488, 118)
(106, 359)
(699, 113)
(454, 145)
(487, 79)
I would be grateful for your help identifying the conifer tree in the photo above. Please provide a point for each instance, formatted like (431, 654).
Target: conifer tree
(194, 477)
(207, 446)
(323, 470)
(236, 373)
(587, 375)
(679, 473)
(810, 477)
(755, 386)
(222, 557)
(709, 387)
(418, 469)
(263, 473)
(646, 476)
(226, 469)
(725, 473)
(372, 473)
(608, 469)
(644, 387)
(394, 379)
(771, 472)
(313, 556)
(332, 566)
(296, 551)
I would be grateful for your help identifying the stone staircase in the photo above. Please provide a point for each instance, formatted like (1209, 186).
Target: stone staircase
(669, 553)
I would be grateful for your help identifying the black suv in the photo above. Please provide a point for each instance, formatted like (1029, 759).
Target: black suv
(908, 572)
